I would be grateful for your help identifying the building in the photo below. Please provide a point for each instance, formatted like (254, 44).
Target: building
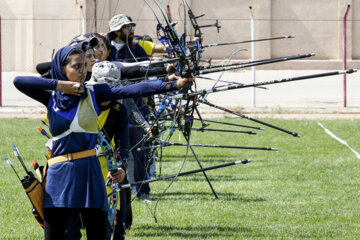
(31, 29)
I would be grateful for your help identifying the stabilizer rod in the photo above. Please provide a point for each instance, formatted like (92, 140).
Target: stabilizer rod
(245, 161)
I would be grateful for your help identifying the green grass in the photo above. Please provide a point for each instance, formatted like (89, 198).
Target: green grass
(308, 189)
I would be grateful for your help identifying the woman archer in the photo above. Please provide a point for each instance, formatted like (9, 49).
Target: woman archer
(74, 181)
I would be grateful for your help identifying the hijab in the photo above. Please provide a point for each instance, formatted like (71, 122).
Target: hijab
(63, 101)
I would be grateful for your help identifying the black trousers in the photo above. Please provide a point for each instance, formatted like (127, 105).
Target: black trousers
(140, 174)
(57, 219)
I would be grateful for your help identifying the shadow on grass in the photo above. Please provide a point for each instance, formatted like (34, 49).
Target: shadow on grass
(201, 178)
(214, 160)
(209, 158)
(202, 232)
(209, 196)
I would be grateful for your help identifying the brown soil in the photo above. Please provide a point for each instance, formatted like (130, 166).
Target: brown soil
(39, 112)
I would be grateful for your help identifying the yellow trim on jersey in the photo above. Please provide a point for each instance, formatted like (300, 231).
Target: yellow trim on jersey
(147, 46)
(102, 117)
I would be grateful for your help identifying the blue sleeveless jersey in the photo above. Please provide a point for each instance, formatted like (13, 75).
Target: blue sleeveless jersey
(78, 183)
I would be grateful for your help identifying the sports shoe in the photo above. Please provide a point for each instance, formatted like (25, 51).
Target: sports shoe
(145, 197)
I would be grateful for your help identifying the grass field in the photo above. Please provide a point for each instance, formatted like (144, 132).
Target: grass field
(308, 189)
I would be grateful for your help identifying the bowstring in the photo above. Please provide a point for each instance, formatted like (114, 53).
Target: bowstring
(188, 140)
(229, 60)
(156, 121)
(154, 124)
(159, 4)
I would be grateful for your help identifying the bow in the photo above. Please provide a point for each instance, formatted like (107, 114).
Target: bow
(187, 67)
(112, 167)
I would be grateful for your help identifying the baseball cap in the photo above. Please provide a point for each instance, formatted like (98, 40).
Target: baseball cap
(87, 44)
(79, 38)
(118, 21)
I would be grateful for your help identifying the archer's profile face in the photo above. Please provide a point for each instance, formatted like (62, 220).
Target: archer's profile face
(75, 69)
(100, 50)
(89, 59)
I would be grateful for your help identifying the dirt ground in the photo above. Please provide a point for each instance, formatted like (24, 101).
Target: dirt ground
(314, 99)
(351, 113)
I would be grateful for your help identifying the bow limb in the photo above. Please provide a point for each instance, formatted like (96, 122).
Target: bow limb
(111, 166)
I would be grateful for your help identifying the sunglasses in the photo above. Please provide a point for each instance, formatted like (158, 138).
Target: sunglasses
(129, 27)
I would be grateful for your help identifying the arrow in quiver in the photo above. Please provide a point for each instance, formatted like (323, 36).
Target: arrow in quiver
(34, 189)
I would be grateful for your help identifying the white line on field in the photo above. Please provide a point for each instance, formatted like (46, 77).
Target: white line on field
(339, 139)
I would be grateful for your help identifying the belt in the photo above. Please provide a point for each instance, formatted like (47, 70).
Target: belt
(72, 156)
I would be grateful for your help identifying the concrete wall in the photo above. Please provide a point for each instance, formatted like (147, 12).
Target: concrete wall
(32, 28)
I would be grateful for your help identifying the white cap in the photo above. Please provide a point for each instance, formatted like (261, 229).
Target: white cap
(118, 21)
(105, 72)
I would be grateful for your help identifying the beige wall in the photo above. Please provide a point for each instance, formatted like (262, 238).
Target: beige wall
(32, 28)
